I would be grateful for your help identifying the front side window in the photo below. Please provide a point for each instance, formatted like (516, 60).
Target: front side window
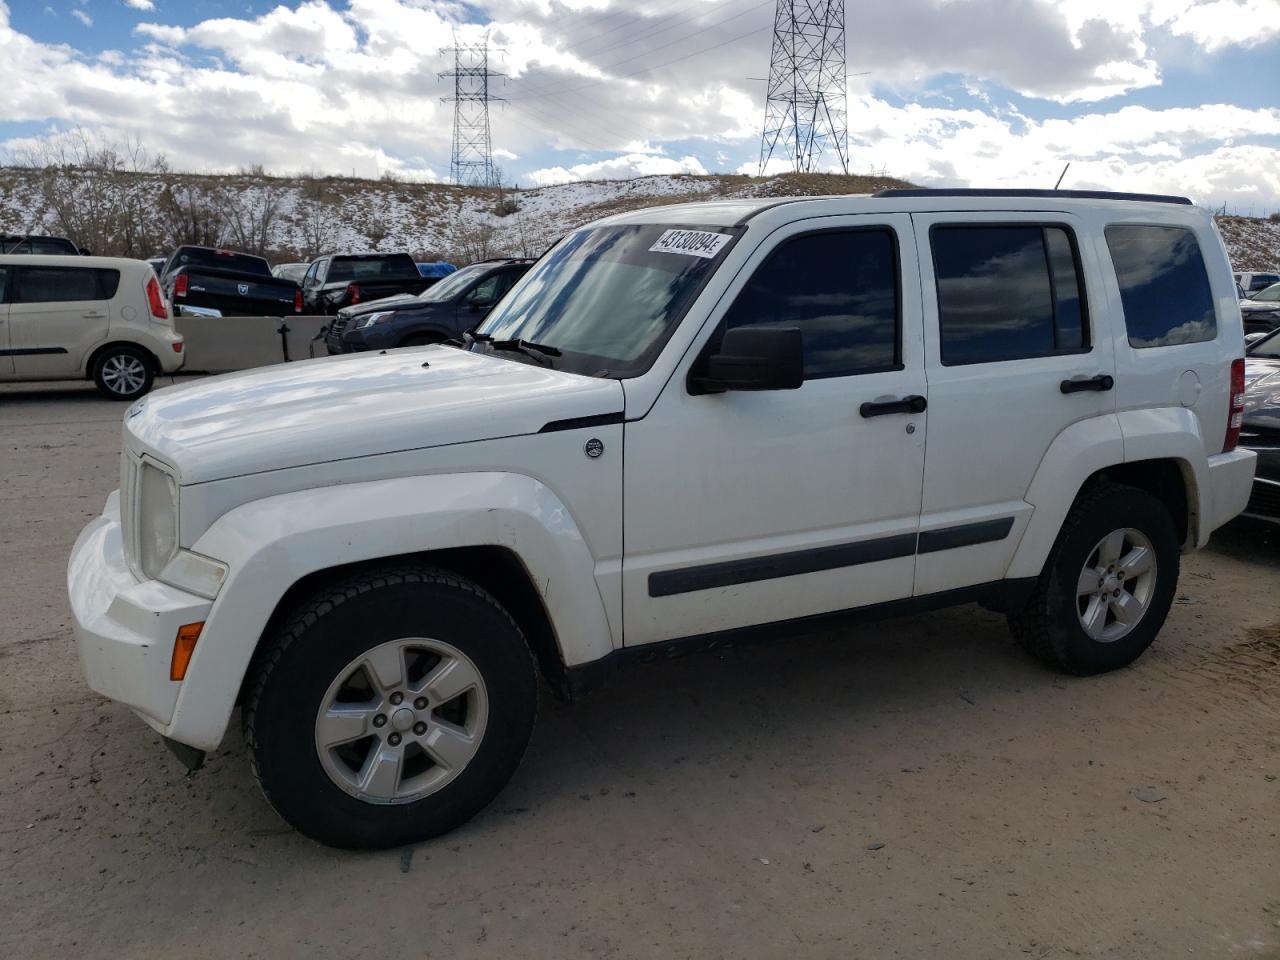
(841, 289)
(607, 298)
(64, 284)
(1164, 286)
(1007, 292)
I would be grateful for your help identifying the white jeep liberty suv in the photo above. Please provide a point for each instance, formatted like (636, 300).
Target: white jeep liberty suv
(685, 426)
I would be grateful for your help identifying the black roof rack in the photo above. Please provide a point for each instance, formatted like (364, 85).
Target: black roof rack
(1046, 194)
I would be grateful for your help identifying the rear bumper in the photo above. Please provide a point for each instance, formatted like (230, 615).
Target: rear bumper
(125, 627)
(1230, 483)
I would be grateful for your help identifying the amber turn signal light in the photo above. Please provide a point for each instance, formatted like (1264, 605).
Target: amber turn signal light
(184, 645)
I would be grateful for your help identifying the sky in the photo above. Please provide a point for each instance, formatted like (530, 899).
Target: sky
(1172, 96)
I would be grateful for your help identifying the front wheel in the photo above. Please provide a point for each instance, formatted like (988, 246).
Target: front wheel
(391, 708)
(1107, 586)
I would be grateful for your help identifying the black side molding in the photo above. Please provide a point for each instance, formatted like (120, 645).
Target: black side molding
(581, 423)
(666, 583)
(965, 535)
(31, 351)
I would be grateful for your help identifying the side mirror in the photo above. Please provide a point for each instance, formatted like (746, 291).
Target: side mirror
(755, 358)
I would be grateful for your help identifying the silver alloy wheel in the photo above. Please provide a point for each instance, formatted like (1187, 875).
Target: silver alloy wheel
(401, 720)
(123, 373)
(1116, 585)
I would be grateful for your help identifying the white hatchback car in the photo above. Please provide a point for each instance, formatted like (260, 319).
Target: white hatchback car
(70, 318)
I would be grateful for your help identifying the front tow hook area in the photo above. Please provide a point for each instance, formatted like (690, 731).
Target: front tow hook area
(191, 758)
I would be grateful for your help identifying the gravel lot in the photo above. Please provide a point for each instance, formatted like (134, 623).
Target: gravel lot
(918, 789)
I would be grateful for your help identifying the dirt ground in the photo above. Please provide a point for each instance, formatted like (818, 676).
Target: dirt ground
(918, 788)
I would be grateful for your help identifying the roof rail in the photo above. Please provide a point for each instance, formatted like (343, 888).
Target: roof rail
(1047, 194)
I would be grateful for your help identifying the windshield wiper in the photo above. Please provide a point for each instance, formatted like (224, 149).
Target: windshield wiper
(527, 347)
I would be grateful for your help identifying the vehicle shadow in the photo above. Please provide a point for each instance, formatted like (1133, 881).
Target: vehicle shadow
(1248, 540)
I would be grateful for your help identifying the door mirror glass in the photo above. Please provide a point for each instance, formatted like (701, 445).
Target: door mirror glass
(755, 358)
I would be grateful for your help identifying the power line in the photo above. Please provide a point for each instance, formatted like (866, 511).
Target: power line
(471, 162)
(805, 106)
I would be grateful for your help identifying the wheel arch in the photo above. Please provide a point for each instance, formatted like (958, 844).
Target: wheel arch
(99, 350)
(508, 532)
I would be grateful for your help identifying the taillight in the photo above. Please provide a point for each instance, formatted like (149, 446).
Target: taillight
(1235, 412)
(180, 285)
(297, 301)
(156, 301)
(353, 293)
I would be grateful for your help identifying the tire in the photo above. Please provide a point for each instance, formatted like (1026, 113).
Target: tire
(1052, 626)
(418, 340)
(340, 795)
(124, 373)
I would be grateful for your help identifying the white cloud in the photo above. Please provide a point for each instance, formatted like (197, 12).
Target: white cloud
(83, 17)
(140, 4)
(617, 168)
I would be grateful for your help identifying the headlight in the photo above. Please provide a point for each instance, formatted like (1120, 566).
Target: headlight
(157, 519)
(373, 318)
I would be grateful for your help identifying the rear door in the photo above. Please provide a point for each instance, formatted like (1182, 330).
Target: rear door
(1012, 360)
(6, 358)
(56, 315)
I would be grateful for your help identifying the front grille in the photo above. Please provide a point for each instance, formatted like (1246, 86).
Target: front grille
(128, 502)
(337, 328)
(1265, 499)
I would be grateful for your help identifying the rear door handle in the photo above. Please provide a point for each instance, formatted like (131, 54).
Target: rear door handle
(1101, 383)
(879, 408)
(93, 315)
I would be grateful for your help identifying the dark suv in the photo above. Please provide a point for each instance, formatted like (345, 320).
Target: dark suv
(442, 312)
(25, 243)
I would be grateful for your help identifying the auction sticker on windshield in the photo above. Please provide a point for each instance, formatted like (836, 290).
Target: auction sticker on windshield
(692, 243)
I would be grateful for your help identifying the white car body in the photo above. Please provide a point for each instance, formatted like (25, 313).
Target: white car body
(285, 473)
(59, 338)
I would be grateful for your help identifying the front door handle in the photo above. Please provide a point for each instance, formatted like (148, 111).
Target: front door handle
(879, 408)
(1101, 383)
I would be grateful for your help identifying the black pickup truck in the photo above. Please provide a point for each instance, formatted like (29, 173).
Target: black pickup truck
(344, 280)
(203, 281)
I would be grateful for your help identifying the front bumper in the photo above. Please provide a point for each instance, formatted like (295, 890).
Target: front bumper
(125, 627)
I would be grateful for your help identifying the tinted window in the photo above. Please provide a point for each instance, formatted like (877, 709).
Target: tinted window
(840, 289)
(1163, 285)
(1007, 293)
(65, 284)
(4, 285)
(400, 267)
(196, 257)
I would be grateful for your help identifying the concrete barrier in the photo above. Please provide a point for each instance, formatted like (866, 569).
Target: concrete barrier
(223, 344)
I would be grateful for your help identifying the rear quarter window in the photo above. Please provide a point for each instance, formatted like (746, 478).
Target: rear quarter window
(1164, 286)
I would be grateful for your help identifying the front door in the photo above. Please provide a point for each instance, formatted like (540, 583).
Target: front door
(56, 315)
(747, 508)
(1012, 361)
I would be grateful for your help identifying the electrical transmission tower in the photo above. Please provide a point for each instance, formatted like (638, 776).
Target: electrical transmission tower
(472, 160)
(805, 108)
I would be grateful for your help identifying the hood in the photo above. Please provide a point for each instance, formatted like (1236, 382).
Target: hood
(355, 405)
(400, 301)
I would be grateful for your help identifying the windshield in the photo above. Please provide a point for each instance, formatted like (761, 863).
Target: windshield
(1268, 346)
(608, 298)
(454, 283)
(1269, 295)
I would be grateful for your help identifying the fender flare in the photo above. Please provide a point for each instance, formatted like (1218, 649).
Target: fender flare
(1089, 446)
(271, 544)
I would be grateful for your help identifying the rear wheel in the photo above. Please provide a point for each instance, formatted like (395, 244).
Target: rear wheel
(390, 708)
(123, 373)
(1107, 586)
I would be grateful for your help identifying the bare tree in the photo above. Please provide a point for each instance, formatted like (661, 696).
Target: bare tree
(190, 215)
(250, 217)
(317, 226)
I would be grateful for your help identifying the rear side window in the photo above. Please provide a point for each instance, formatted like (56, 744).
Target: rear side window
(1164, 286)
(1007, 292)
(65, 284)
(841, 289)
(399, 267)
